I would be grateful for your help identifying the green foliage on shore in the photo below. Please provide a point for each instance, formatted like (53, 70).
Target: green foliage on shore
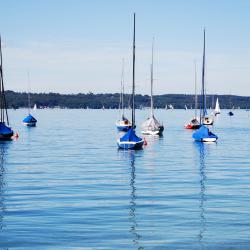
(98, 101)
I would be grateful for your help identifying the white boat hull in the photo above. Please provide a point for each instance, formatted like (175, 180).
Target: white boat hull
(150, 132)
(209, 139)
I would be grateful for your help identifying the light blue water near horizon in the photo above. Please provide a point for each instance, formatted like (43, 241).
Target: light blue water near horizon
(64, 184)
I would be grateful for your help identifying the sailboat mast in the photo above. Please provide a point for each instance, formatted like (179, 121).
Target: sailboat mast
(1, 80)
(120, 101)
(3, 99)
(203, 98)
(122, 88)
(195, 89)
(230, 100)
(29, 92)
(152, 78)
(133, 88)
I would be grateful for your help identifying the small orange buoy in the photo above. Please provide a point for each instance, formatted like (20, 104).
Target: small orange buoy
(15, 136)
(145, 142)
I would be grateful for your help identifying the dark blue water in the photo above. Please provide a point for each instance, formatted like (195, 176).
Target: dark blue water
(64, 184)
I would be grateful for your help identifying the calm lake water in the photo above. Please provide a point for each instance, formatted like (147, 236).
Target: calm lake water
(64, 184)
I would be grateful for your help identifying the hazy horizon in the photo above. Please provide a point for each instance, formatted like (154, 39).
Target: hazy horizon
(77, 46)
(126, 93)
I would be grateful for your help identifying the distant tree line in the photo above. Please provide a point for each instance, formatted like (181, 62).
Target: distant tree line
(98, 101)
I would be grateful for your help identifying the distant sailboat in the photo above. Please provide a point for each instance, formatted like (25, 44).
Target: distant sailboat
(6, 132)
(30, 120)
(203, 134)
(207, 120)
(186, 108)
(123, 124)
(35, 107)
(152, 126)
(217, 107)
(230, 113)
(130, 140)
(194, 123)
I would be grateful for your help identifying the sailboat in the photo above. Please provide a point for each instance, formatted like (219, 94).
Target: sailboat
(203, 134)
(35, 107)
(194, 123)
(123, 124)
(130, 140)
(230, 113)
(217, 107)
(6, 132)
(29, 120)
(206, 119)
(152, 126)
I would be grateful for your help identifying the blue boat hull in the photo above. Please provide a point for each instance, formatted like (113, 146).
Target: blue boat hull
(130, 141)
(203, 134)
(30, 121)
(129, 145)
(5, 137)
(30, 124)
(5, 132)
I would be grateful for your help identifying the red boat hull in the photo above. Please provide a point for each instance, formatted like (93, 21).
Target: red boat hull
(190, 126)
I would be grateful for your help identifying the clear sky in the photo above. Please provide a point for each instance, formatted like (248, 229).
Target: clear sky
(77, 45)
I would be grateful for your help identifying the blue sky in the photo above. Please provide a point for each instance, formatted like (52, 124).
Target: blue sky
(77, 46)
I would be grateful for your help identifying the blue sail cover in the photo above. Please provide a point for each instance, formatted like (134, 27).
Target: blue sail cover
(203, 132)
(130, 136)
(5, 130)
(29, 118)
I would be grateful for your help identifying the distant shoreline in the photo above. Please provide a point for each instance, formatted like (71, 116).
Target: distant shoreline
(111, 101)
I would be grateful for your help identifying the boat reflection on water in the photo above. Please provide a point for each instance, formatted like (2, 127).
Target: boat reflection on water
(3, 148)
(131, 156)
(202, 148)
(153, 141)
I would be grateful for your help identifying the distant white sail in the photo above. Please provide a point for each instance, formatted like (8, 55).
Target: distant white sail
(217, 107)
(35, 107)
